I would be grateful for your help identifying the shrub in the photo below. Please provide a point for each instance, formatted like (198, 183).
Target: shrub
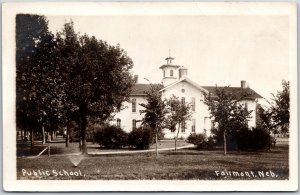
(201, 141)
(111, 137)
(141, 138)
(254, 139)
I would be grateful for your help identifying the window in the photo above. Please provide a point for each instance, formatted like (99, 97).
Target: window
(164, 72)
(183, 127)
(133, 124)
(193, 125)
(246, 105)
(183, 100)
(171, 73)
(119, 122)
(133, 105)
(193, 104)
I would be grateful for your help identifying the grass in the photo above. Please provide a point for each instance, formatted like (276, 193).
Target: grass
(24, 149)
(186, 164)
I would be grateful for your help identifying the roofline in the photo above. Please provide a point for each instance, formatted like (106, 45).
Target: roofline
(189, 81)
(169, 65)
(135, 94)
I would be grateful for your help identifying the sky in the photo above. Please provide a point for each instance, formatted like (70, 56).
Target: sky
(217, 50)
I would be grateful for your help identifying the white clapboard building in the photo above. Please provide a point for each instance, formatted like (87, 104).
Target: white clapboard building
(175, 81)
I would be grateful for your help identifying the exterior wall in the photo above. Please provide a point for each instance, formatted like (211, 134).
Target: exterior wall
(201, 114)
(251, 105)
(203, 123)
(126, 115)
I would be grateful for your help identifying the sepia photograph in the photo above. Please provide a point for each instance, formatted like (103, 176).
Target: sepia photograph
(150, 96)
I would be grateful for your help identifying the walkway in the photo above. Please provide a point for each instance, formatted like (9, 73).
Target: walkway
(141, 151)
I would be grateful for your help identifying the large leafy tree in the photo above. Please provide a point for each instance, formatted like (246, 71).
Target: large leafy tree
(37, 69)
(180, 113)
(155, 111)
(280, 107)
(275, 117)
(228, 112)
(97, 76)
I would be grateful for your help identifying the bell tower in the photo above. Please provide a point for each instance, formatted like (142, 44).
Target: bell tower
(170, 72)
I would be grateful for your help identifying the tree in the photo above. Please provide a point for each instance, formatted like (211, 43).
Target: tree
(155, 111)
(280, 107)
(228, 112)
(277, 115)
(96, 75)
(180, 113)
(264, 121)
(36, 62)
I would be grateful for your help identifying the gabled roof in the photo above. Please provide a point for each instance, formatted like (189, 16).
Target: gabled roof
(188, 81)
(140, 89)
(235, 91)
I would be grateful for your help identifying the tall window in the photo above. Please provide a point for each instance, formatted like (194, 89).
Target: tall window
(183, 127)
(119, 122)
(164, 72)
(246, 105)
(171, 73)
(133, 124)
(193, 104)
(193, 125)
(183, 100)
(133, 105)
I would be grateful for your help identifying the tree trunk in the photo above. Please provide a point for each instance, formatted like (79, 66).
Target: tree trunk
(22, 134)
(270, 144)
(225, 145)
(67, 135)
(177, 137)
(80, 144)
(32, 138)
(83, 138)
(83, 120)
(156, 144)
(43, 135)
(80, 139)
(48, 137)
(51, 134)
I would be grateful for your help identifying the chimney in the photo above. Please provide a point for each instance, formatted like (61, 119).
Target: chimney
(136, 78)
(243, 84)
(182, 72)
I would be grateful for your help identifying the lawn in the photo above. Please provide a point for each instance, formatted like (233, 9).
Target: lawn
(58, 147)
(186, 164)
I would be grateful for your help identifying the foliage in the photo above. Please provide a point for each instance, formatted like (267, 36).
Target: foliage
(38, 86)
(66, 76)
(155, 111)
(141, 138)
(201, 141)
(281, 107)
(228, 112)
(276, 117)
(254, 139)
(111, 137)
(96, 75)
(180, 113)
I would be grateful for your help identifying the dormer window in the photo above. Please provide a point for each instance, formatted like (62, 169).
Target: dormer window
(171, 73)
